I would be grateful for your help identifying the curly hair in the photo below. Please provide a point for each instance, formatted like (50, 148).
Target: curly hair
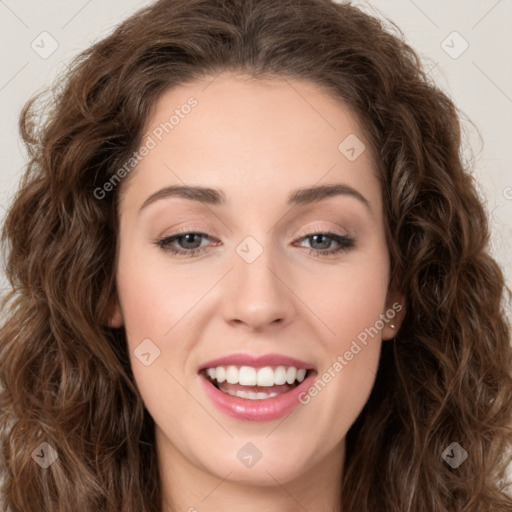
(67, 380)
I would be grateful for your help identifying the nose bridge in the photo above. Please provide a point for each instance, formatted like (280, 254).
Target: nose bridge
(258, 295)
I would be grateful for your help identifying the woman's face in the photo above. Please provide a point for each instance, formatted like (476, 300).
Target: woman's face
(262, 277)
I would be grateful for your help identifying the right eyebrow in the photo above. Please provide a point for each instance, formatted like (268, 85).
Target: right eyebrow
(201, 194)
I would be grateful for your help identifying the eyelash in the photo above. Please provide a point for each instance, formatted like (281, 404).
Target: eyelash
(346, 243)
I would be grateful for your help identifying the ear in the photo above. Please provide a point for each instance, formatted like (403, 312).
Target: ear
(116, 319)
(394, 314)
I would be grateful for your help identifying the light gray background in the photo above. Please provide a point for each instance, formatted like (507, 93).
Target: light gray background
(479, 80)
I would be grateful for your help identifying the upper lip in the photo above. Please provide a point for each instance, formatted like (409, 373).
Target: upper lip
(257, 361)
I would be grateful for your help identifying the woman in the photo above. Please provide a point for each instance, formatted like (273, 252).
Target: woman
(334, 337)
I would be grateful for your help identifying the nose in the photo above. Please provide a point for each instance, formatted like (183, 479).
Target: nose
(258, 296)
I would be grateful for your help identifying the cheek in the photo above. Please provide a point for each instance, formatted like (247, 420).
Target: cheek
(158, 311)
(350, 303)
(160, 308)
(352, 351)
(351, 297)
(155, 298)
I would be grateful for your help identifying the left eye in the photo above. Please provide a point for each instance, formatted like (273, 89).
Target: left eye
(344, 243)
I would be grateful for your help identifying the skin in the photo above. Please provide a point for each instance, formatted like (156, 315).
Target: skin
(257, 142)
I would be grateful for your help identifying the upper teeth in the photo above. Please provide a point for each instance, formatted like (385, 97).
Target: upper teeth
(249, 376)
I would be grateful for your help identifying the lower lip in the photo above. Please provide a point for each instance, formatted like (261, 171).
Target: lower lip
(267, 409)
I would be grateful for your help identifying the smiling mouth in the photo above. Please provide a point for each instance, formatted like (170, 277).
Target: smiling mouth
(270, 383)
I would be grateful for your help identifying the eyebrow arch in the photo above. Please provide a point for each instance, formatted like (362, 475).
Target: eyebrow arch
(299, 197)
(309, 195)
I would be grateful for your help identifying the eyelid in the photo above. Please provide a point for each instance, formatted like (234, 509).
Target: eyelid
(316, 231)
(205, 232)
(339, 230)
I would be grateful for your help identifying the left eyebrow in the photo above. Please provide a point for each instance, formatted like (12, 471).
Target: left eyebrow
(309, 195)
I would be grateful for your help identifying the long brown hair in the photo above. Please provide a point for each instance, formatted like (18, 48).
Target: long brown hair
(445, 378)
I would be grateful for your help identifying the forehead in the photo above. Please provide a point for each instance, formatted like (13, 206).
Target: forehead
(252, 136)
